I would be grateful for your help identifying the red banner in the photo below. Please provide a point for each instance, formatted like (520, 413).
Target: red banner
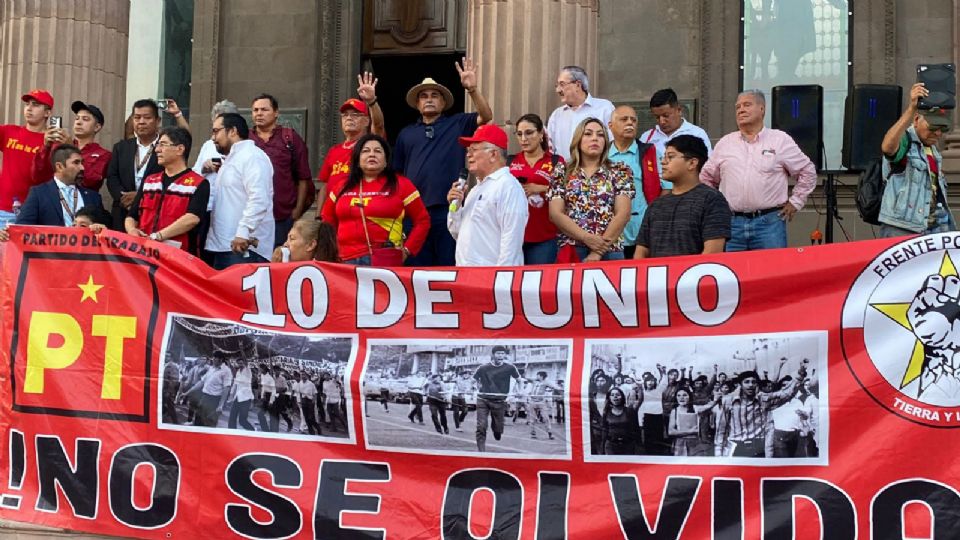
(797, 393)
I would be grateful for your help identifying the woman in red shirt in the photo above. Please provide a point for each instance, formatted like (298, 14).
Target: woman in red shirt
(534, 168)
(369, 207)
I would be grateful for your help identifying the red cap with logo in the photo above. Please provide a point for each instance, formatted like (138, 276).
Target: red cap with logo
(490, 133)
(355, 104)
(40, 96)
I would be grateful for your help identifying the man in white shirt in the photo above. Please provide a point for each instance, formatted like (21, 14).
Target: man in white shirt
(666, 110)
(241, 225)
(308, 403)
(268, 393)
(573, 87)
(214, 389)
(208, 165)
(490, 223)
(242, 397)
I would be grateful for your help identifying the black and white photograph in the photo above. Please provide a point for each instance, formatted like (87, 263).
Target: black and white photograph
(468, 397)
(231, 378)
(757, 399)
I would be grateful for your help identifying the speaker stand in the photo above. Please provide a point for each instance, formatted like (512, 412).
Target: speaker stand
(830, 192)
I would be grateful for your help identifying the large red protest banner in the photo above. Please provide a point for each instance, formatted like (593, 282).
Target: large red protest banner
(799, 393)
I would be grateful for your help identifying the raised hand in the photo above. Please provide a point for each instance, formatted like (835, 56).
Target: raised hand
(468, 74)
(934, 314)
(367, 87)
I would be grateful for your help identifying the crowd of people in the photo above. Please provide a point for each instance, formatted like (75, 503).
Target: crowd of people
(221, 390)
(584, 187)
(680, 412)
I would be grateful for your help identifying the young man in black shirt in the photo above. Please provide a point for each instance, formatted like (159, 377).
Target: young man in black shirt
(493, 384)
(693, 218)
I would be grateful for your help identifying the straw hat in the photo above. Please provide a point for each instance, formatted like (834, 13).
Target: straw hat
(430, 84)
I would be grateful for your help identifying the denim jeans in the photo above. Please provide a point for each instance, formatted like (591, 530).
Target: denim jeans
(363, 260)
(225, 259)
(440, 248)
(768, 231)
(540, 252)
(583, 251)
(942, 224)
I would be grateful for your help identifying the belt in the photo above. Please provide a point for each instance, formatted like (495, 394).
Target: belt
(757, 213)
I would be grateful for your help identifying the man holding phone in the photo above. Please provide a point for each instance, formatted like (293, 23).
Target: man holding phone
(18, 144)
(86, 125)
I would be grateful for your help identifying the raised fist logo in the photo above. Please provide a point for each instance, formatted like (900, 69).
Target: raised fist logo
(934, 315)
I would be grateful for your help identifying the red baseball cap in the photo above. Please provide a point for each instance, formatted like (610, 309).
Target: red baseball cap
(40, 96)
(490, 133)
(355, 104)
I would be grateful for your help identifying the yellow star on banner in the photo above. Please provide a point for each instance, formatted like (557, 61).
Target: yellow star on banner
(898, 313)
(89, 289)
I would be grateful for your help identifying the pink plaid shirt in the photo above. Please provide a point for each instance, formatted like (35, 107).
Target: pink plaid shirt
(753, 175)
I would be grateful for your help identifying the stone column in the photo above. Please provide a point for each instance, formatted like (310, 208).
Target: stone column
(520, 46)
(76, 50)
(951, 153)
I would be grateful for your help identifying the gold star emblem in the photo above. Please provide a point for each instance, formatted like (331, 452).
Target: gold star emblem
(897, 312)
(89, 289)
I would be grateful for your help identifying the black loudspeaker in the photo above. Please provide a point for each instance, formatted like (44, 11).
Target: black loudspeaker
(798, 110)
(941, 81)
(869, 112)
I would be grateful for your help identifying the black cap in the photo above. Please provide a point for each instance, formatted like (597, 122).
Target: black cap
(78, 106)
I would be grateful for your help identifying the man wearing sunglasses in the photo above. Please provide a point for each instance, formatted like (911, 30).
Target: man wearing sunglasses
(914, 200)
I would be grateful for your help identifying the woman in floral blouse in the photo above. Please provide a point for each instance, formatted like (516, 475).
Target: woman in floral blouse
(590, 198)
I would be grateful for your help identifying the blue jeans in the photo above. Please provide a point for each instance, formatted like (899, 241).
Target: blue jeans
(540, 252)
(583, 251)
(440, 248)
(942, 224)
(363, 260)
(7, 218)
(225, 259)
(768, 231)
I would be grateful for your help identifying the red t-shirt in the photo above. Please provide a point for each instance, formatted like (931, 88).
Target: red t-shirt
(95, 161)
(539, 226)
(336, 164)
(384, 212)
(18, 145)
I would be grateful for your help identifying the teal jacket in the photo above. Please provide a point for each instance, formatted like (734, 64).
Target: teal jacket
(906, 199)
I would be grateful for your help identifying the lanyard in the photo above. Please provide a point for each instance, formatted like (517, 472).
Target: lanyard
(72, 212)
(138, 163)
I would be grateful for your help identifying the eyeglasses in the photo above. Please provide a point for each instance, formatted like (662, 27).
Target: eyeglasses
(352, 114)
(671, 156)
(526, 134)
(165, 144)
(563, 84)
(428, 131)
(214, 131)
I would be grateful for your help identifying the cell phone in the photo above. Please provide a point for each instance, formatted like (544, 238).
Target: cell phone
(217, 160)
(56, 122)
(162, 103)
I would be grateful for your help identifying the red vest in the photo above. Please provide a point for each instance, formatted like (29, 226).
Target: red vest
(159, 208)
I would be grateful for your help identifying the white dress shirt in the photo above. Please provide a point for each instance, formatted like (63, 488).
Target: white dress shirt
(565, 119)
(244, 384)
(660, 139)
(143, 150)
(489, 226)
(68, 193)
(217, 380)
(244, 195)
(207, 152)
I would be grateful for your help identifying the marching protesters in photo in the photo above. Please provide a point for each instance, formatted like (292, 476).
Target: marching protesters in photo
(86, 125)
(809, 426)
(357, 118)
(541, 401)
(292, 178)
(644, 164)
(668, 113)
(573, 87)
(742, 418)
(620, 427)
(428, 153)
(915, 197)
(651, 415)
(558, 395)
(333, 396)
(214, 389)
(751, 167)
(685, 425)
(369, 207)
(597, 397)
(464, 387)
(533, 167)
(307, 392)
(171, 386)
(170, 204)
(282, 402)
(493, 385)
(436, 400)
(415, 392)
(268, 393)
(242, 396)
(18, 144)
(489, 220)
(590, 198)
(384, 393)
(308, 240)
(133, 159)
(57, 201)
(692, 218)
(241, 224)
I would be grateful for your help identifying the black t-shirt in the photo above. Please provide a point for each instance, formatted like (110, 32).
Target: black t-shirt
(494, 381)
(680, 224)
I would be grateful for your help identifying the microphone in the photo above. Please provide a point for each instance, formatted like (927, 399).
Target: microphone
(461, 183)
